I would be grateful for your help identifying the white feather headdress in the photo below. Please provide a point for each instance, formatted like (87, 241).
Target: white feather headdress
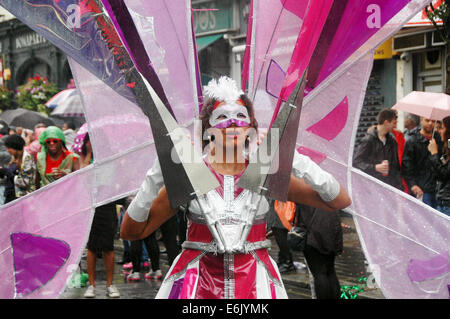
(224, 89)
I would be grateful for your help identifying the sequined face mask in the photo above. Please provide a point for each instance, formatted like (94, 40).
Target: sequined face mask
(225, 115)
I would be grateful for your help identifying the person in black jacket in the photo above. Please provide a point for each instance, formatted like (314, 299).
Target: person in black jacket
(416, 163)
(376, 155)
(441, 167)
(323, 243)
(9, 171)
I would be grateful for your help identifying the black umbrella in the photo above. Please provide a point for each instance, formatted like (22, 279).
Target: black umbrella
(4, 128)
(25, 118)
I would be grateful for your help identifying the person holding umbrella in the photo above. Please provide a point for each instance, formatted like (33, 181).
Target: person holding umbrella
(416, 163)
(441, 167)
(54, 160)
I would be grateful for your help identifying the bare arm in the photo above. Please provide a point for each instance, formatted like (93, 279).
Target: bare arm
(159, 213)
(302, 193)
(85, 160)
(76, 164)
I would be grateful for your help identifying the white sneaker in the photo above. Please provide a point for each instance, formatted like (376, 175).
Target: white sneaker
(157, 274)
(134, 276)
(90, 292)
(112, 292)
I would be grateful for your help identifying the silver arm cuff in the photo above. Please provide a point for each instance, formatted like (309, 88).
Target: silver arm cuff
(321, 181)
(141, 204)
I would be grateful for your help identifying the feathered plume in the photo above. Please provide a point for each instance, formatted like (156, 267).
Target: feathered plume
(225, 89)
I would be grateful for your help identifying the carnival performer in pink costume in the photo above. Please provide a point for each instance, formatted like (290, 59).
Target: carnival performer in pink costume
(225, 254)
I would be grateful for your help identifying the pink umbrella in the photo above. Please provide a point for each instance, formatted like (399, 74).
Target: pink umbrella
(79, 139)
(434, 106)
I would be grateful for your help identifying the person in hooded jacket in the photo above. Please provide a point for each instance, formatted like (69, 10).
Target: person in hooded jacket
(324, 242)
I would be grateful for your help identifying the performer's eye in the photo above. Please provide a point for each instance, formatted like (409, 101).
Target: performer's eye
(242, 115)
(221, 117)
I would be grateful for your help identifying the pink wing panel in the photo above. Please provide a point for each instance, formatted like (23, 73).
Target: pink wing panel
(397, 231)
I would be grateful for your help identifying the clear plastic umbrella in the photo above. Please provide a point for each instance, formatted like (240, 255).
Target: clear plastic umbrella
(66, 103)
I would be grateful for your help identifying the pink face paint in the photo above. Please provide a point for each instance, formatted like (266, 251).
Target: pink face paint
(224, 114)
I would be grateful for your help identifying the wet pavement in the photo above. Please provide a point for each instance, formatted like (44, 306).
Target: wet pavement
(350, 268)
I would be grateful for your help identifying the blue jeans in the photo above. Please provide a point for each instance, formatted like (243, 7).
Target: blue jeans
(430, 199)
(444, 209)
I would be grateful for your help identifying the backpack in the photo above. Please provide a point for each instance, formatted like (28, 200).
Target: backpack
(286, 212)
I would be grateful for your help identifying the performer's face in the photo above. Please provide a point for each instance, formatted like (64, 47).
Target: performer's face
(229, 124)
(226, 115)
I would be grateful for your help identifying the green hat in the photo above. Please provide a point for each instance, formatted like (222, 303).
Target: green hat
(51, 132)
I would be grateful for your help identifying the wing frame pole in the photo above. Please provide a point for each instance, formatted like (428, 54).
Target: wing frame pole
(273, 180)
(184, 179)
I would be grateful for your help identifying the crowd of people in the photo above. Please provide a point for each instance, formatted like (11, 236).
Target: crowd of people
(30, 160)
(415, 161)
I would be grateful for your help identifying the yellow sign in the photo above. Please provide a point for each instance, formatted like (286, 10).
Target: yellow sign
(7, 74)
(384, 51)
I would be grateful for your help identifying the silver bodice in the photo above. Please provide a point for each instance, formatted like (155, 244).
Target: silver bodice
(231, 216)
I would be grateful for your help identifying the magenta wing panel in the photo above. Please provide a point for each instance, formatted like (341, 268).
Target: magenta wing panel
(58, 232)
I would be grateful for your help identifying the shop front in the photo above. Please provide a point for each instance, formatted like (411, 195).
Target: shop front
(220, 29)
(26, 54)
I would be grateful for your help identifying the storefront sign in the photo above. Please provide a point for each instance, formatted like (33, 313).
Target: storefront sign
(214, 16)
(29, 40)
(384, 51)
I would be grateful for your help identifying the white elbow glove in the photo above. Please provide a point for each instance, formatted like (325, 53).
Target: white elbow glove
(321, 181)
(140, 206)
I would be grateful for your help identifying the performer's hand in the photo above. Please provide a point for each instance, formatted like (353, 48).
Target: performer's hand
(432, 147)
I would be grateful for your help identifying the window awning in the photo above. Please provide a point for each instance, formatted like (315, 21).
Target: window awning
(203, 42)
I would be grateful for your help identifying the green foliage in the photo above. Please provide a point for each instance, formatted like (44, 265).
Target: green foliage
(35, 93)
(6, 98)
(440, 13)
